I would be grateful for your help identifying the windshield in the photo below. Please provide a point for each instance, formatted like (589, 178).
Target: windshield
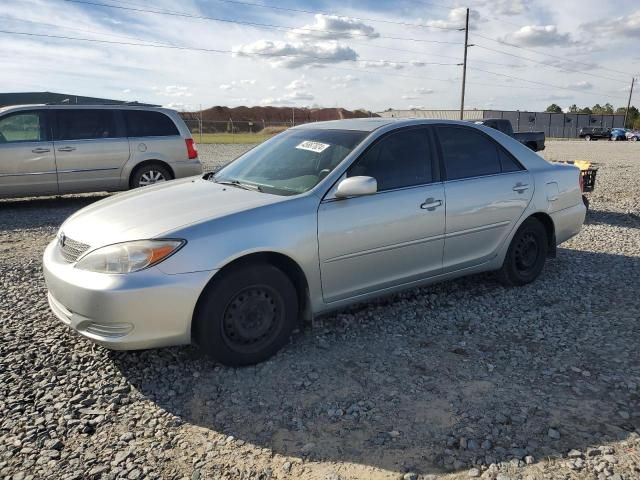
(292, 162)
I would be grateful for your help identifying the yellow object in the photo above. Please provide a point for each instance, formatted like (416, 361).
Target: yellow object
(582, 164)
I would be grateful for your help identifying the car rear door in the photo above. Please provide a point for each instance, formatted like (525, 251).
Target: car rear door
(27, 161)
(91, 148)
(486, 190)
(394, 236)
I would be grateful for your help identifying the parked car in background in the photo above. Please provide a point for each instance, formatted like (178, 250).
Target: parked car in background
(633, 135)
(321, 216)
(533, 140)
(618, 134)
(594, 133)
(58, 149)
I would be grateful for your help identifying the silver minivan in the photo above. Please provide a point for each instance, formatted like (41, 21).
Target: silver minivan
(59, 149)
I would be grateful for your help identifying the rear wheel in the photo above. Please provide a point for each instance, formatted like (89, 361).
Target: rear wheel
(634, 139)
(149, 174)
(526, 255)
(587, 138)
(247, 315)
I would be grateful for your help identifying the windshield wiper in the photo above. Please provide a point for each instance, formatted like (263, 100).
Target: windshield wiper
(239, 184)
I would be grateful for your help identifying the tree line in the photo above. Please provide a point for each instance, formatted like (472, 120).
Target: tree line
(633, 119)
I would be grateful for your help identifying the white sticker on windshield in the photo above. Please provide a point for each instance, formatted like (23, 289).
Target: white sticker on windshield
(313, 146)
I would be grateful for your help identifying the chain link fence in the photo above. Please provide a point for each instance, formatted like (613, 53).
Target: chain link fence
(233, 131)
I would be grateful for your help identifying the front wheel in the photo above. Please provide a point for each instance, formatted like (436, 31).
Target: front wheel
(246, 315)
(526, 255)
(587, 138)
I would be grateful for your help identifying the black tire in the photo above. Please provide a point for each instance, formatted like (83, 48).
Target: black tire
(526, 255)
(149, 174)
(246, 315)
(585, 200)
(587, 138)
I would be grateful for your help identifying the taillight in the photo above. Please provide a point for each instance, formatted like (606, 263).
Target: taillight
(191, 148)
(581, 181)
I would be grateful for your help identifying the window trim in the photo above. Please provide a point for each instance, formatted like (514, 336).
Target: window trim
(56, 124)
(495, 143)
(435, 164)
(44, 125)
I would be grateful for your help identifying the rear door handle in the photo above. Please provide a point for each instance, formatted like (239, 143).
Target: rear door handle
(431, 204)
(66, 149)
(41, 150)
(520, 187)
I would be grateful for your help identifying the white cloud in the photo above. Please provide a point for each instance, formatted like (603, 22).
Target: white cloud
(333, 27)
(539, 36)
(624, 26)
(226, 86)
(288, 99)
(381, 64)
(297, 84)
(175, 91)
(126, 90)
(341, 81)
(456, 19)
(423, 91)
(506, 7)
(410, 97)
(236, 84)
(296, 54)
(583, 85)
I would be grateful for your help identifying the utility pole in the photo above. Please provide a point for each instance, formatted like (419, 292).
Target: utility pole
(626, 112)
(464, 64)
(293, 116)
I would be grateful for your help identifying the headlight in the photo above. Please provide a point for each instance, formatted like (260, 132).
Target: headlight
(129, 256)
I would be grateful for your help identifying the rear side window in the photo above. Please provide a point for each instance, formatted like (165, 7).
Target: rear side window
(402, 159)
(84, 124)
(141, 123)
(23, 127)
(467, 153)
(508, 162)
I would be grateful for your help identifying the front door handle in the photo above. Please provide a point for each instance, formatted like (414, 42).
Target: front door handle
(41, 150)
(66, 149)
(431, 204)
(520, 187)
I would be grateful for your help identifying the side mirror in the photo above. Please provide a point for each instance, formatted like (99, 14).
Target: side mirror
(356, 187)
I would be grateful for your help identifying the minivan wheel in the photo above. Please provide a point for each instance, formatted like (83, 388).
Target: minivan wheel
(587, 138)
(149, 174)
(246, 315)
(526, 255)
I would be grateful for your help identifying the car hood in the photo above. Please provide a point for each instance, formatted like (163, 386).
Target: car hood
(152, 212)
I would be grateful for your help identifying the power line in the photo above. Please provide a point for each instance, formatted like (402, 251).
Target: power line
(502, 42)
(254, 24)
(316, 12)
(547, 64)
(540, 83)
(212, 50)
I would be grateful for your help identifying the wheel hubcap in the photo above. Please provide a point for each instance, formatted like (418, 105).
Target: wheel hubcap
(252, 319)
(527, 252)
(150, 177)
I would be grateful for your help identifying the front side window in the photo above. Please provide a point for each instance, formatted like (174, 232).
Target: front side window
(85, 124)
(467, 153)
(22, 127)
(144, 123)
(402, 159)
(292, 162)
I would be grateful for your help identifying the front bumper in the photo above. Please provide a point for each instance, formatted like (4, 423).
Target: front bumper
(134, 311)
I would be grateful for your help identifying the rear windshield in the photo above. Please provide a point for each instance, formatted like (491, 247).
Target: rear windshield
(292, 162)
(141, 123)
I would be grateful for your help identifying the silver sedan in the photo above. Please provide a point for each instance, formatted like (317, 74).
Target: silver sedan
(318, 217)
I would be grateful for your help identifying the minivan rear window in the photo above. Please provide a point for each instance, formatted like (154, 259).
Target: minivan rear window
(141, 123)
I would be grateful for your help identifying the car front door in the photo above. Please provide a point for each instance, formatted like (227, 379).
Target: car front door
(27, 161)
(393, 237)
(487, 191)
(91, 148)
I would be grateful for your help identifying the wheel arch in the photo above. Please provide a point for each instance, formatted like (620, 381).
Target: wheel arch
(550, 228)
(150, 161)
(279, 260)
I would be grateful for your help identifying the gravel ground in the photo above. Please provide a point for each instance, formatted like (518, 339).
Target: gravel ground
(459, 380)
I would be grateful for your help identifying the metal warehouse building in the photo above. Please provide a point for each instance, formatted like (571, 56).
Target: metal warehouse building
(563, 125)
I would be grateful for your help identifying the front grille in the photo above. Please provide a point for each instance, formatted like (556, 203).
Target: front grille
(71, 249)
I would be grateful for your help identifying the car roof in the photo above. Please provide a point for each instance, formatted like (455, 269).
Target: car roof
(11, 108)
(371, 124)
